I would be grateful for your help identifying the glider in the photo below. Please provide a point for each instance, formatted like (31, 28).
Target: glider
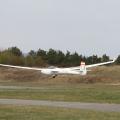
(79, 70)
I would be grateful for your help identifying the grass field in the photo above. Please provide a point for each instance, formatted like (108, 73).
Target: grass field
(102, 85)
(51, 113)
(81, 93)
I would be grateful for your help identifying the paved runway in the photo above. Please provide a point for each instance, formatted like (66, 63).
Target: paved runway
(76, 105)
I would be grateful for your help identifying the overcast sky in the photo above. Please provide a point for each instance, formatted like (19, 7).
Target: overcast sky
(86, 26)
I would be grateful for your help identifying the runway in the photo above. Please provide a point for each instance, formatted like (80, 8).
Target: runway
(76, 105)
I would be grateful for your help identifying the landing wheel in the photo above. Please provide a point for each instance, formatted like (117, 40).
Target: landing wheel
(54, 76)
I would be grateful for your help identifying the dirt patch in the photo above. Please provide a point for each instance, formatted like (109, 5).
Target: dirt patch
(110, 74)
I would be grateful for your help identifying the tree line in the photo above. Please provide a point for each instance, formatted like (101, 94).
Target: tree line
(42, 58)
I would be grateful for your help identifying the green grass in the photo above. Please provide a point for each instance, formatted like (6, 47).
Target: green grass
(51, 113)
(78, 93)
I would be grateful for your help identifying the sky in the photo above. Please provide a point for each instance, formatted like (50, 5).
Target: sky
(85, 26)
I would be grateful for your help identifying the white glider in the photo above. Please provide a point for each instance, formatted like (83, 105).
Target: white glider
(79, 70)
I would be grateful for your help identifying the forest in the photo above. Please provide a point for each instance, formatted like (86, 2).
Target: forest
(42, 58)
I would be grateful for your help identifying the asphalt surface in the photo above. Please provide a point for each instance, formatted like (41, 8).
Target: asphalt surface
(76, 105)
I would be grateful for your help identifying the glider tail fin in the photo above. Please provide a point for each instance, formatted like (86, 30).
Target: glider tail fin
(83, 70)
